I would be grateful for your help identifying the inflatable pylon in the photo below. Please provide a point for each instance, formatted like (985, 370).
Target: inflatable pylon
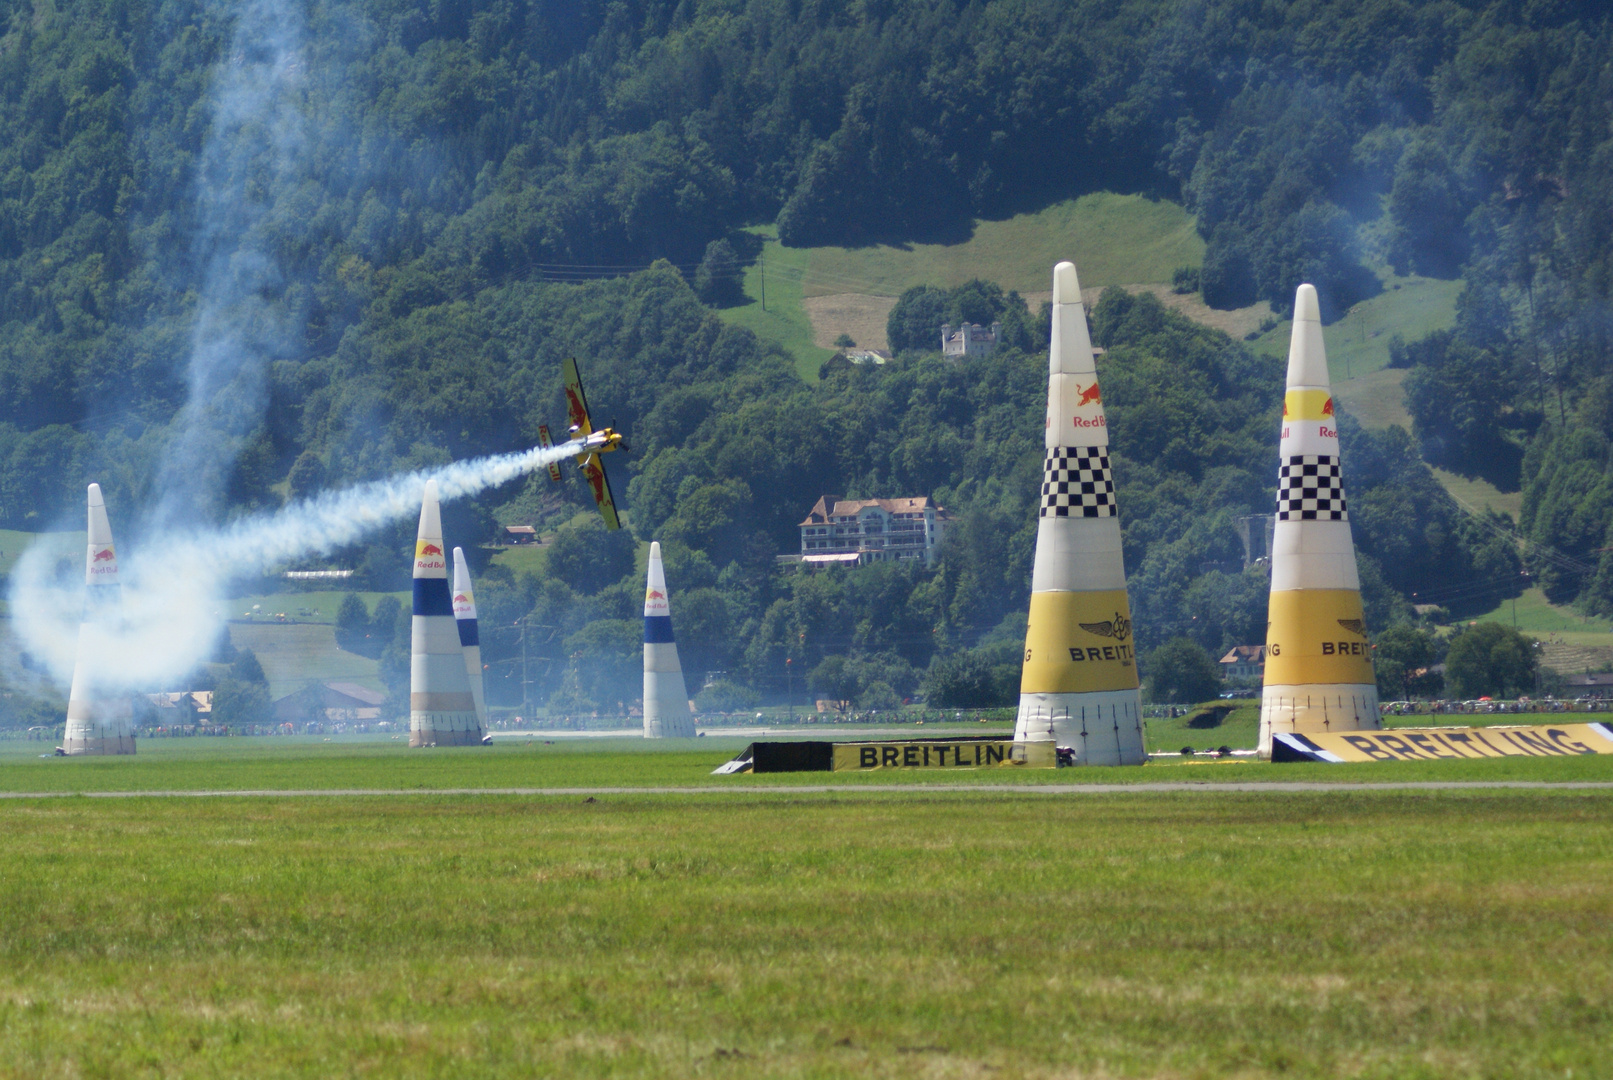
(469, 639)
(1318, 661)
(1079, 683)
(99, 721)
(666, 698)
(442, 711)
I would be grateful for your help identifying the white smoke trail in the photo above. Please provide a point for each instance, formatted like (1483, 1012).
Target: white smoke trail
(253, 158)
(171, 611)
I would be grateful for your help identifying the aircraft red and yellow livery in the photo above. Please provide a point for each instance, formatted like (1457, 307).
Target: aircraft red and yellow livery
(593, 443)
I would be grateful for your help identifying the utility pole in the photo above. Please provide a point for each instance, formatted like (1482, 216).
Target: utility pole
(526, 713)
(789, 687)
(764, 273)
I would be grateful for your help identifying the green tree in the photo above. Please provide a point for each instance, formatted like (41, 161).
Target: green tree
(969, 680)
(719, 280)
(586, 556)
(915, 321)
(1491, 660)
(1181, 672)
(1398, 654)
(352, 623)
(240, 701)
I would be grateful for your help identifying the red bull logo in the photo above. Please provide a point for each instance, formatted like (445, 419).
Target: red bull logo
(1327, 407)
(430, 549)
(104, 555)
(1090, 395)
(461, 600)
(654, 594)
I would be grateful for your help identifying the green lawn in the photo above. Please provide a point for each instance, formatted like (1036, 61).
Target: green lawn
(293, 655)
(1353, 934)
(381, 763)
(301, 606)
(1112, 239)
(1239, 729)
(1358, 344)
(1534, 614)
(1479, 495)
(523, 559)
(779, 272)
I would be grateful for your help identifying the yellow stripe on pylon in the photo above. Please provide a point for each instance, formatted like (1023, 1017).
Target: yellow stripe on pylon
(1317, 636)
(1079, 642)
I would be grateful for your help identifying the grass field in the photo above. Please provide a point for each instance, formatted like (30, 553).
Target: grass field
(305, 606)
(294, 655)
(1113, 239)
(312, 763)
(1534, 614)
(1358, 344)
(523, 559)
(1346, 934)
(1479, 495)
(780, 271)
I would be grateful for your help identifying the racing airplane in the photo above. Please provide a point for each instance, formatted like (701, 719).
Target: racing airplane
(592, 444)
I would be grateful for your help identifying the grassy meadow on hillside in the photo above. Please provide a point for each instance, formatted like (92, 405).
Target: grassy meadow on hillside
(1113, 239)
(1330, 935)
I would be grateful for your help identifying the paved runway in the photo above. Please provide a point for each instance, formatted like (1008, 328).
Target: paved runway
(1279, 787)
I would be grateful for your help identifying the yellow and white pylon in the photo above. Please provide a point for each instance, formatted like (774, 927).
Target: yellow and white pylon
(1318, 673)
(1078, 687)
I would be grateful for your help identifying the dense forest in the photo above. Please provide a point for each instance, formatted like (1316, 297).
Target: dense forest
(357, 237)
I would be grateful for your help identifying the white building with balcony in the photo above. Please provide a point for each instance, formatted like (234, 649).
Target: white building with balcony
(872, 530)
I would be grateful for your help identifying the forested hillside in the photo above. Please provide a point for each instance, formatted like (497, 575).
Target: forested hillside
(372, 227)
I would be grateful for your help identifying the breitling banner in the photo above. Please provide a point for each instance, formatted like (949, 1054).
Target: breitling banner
(1444, 744)
(941, 754)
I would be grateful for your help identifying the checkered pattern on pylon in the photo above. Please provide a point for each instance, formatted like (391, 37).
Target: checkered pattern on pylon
(1310, 488)
(1076, 482)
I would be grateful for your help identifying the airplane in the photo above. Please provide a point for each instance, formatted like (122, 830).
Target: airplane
(590, 443)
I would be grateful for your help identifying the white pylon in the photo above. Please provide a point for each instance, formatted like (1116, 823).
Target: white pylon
(1318, 674)
(442, 711)
(666, 698)
(99, 718)
(469, 639)
(1079, 683)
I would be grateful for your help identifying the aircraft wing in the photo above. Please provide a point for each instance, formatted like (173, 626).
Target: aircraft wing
(594, 471)
(548, 444)
(576, 404)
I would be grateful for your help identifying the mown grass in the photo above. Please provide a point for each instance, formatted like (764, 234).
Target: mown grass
(1239, 728)
(296, 654)
(1358, 343)
(312, 763)
(1479, 494)
(1338, 935)
(779, 272)
(316, 606)
(1534, 614)
(1113, 240)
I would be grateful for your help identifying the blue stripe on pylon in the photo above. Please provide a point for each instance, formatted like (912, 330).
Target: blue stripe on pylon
(657, 629)
(431, 597)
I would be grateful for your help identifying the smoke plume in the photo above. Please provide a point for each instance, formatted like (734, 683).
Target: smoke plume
(174, 582)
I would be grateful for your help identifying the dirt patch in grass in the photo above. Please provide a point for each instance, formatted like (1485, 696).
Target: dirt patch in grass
(862, 317)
